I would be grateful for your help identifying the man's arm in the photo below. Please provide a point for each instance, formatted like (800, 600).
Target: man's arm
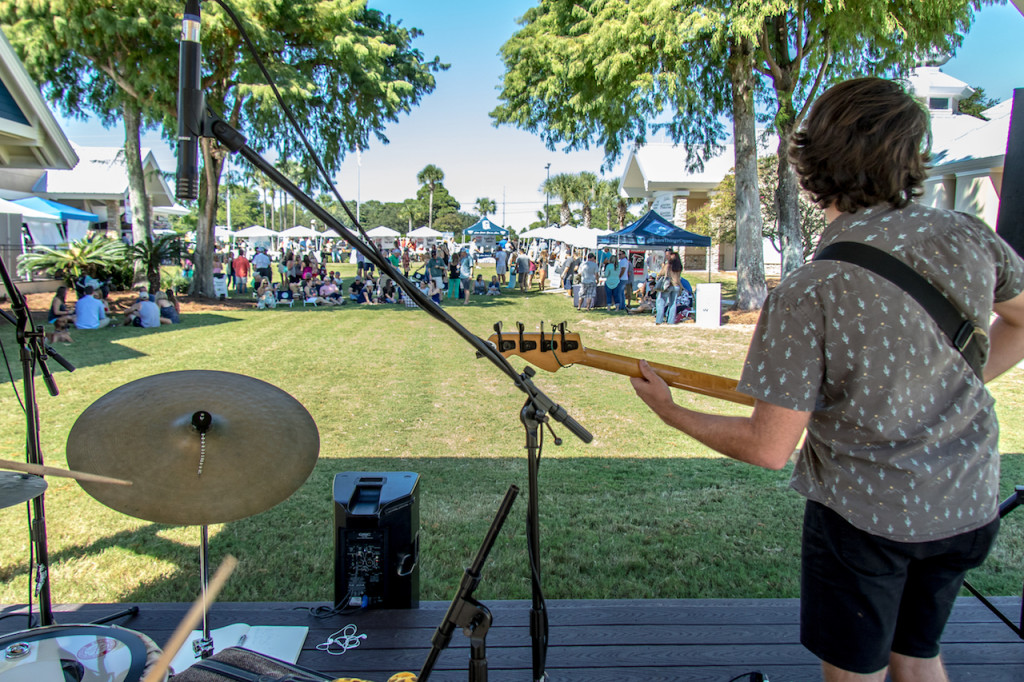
(1006, 337)
(766, 438)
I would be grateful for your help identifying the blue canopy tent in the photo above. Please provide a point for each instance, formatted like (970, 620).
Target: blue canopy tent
(62, 211)
(485, 233)
(74, 221)
(652, 232)
(484, 227)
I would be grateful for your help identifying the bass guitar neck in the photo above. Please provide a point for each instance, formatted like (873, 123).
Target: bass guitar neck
(686, 379)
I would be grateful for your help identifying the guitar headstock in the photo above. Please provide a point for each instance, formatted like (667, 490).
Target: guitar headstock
(549, 351)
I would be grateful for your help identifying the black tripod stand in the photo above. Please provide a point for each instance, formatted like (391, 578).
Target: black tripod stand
(466, 612)
(1007, 506)
(34, 351)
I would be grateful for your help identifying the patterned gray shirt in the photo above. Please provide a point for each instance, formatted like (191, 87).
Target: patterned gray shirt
(902, 439)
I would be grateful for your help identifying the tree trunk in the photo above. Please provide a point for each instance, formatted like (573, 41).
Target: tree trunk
(142, 229)
(751, 289)
(206, 241)
(430, 215)
(566, 214)
(787, 194)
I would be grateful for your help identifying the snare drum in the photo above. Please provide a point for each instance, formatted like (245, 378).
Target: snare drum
(76, 653)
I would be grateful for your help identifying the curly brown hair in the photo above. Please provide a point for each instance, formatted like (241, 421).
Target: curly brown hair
(864, 143)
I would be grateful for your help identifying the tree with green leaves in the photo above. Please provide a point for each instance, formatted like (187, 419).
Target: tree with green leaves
(976, 104)
(430, 177)
(607, 72)
(485, 206)
(88, 61)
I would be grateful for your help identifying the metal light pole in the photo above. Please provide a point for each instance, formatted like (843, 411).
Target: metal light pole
(547, 216)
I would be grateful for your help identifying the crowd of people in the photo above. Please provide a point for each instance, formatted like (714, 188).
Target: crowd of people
(451, 272)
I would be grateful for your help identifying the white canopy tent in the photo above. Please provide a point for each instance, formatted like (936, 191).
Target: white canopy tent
(254, 231)
(383, 236)
(297, 232)
(382, 231)
(424, 233)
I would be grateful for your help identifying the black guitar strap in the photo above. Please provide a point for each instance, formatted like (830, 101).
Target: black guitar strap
(962, 332)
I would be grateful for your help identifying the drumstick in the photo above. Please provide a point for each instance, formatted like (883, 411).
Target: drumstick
(40, 470)
(192, 618)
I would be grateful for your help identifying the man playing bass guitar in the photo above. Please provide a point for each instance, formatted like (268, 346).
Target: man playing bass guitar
(900, 463)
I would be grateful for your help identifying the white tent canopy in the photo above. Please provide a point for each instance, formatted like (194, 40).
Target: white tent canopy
(422, 232)
(382, 231)
(254, 231)
(297, 231)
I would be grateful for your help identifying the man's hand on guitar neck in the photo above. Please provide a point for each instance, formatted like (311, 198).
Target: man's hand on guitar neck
(767, 438)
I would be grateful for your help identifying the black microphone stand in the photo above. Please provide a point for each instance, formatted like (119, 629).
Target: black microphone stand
(466, 612)
(539, 406)
(33, 352)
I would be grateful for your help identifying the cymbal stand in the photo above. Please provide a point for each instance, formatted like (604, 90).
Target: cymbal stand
(203, 647)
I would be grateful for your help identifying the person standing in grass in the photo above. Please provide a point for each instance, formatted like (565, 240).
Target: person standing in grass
(588, 283)
(900, 462)
(611, 282)
(466, 276)
(240, 267)
(501, 264)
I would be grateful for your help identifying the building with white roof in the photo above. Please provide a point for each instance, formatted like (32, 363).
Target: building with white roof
(99, 183)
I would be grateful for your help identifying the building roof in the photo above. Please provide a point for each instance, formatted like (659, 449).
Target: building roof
(102, 175)
(29, 134)
(971, 144)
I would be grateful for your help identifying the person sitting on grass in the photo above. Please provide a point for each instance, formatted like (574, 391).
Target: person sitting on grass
(168, 313)
(479, 286)
(90, 313)
(434, 291)
(265, 295)
(494, 288)
(58, 306)
(358, 292)
(388, 293)
(143, 313)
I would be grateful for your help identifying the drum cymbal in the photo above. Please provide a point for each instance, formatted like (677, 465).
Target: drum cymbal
(260, 446)
(16, 488)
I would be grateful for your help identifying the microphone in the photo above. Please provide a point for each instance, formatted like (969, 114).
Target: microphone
(190, 104)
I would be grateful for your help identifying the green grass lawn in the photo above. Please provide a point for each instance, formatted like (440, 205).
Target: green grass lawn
(642, 511)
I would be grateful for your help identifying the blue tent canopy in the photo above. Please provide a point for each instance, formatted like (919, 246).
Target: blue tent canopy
(62, 211)
(484, 227)
(652, 231)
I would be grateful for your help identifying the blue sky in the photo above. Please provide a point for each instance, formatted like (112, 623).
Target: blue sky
(451, 128)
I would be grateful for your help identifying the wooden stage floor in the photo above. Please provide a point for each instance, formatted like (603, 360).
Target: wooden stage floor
(603, 640)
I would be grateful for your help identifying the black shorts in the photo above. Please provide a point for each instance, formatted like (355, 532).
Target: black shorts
(863, 596)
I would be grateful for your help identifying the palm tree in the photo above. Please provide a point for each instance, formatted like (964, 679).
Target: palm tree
(562, 187)
(149, 253)
(586, 195)
(485, 206)
(431, 176)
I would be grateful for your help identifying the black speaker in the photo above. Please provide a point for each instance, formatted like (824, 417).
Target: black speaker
(377, 539)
